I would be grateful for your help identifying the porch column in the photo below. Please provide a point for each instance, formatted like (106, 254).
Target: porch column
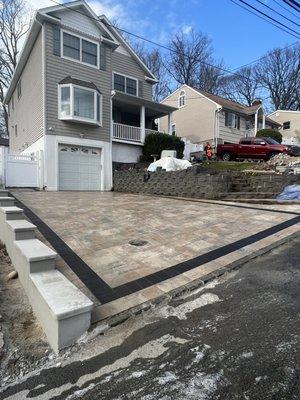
(263, 121)
(255, 123)
(170, 121)
(142, 123)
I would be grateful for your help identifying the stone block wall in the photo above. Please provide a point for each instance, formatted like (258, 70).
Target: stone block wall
(271, 183)
(188, 183)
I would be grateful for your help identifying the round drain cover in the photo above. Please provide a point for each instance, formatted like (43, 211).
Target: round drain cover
(137, 242)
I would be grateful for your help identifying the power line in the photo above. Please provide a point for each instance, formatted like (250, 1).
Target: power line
(266, 55)
(294, 4)
(259, 16)
(152, 42)
(283, 16)
(286, 9)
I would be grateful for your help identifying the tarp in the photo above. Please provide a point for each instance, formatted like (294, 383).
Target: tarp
(291, 192)
(169, 164)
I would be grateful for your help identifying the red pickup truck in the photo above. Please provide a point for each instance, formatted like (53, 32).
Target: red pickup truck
(262, 147)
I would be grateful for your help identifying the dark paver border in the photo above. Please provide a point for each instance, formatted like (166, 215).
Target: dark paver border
(105, 294)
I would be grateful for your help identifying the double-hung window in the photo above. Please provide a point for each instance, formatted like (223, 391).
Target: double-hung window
(232, 120)
(182, 99)
(125, 84)
(77, 103)
(79, 49)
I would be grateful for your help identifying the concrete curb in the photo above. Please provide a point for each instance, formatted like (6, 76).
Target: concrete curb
(121, 317)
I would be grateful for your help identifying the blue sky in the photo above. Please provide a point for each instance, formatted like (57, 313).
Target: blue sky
(238, 37)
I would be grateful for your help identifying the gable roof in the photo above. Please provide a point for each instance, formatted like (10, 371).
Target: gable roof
(109, 36)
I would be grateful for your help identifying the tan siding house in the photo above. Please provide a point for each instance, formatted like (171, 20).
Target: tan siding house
(290, 125)
(203, 117)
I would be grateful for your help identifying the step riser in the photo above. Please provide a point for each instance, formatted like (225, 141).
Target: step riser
(14, 216)
(8, 202)
(4, 193)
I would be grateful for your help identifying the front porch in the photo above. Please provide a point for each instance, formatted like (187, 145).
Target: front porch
(134, 118)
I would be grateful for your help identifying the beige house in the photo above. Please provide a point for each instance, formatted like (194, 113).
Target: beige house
(204, 117)
(290, 125)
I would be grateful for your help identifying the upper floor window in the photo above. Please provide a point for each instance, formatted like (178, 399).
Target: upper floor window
(232, 120)
(286, 125)
(77, 48)
(125, 84)
(19, 88)
(80, 104)
(182, 99)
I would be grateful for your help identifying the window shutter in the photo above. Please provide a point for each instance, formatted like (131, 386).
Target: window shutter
(238, 122)
(226, 118)
(141, 89)
(56, 40)
(102, 57)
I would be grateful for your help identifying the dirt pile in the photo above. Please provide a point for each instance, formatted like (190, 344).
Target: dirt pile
(284, 160)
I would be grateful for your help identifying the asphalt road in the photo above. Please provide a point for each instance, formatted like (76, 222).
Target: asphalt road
(239, 338)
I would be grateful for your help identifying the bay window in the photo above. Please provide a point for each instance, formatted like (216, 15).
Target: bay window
(125, 84)
(80, 104)
(79, 49)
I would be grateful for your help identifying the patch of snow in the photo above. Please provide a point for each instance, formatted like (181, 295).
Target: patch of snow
(79, 393)
(248, 354)
(189, 306)
(167, 377)
(137, 374)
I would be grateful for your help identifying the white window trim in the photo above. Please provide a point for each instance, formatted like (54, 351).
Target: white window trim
(80, 49)
(180, 97)
(235, 120)
(173, 124)
(73, 117)
(126, 76)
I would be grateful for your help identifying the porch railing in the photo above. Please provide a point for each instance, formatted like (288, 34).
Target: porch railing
(127, 132)
(148, 131)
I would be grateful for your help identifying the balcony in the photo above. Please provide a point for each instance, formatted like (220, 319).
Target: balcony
(129, 133)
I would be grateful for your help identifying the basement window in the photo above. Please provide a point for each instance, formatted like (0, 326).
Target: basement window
(79, 104)
(286, 125)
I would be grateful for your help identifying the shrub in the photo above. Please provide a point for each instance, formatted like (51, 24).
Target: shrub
(155, 143)
(272, 133)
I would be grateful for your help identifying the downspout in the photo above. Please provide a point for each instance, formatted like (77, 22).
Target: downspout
(113, 92)
(216, 127)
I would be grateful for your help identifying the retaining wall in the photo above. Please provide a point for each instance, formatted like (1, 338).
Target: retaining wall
(188, 183)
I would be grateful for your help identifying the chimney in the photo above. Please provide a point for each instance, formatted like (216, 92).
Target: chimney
(256, 102)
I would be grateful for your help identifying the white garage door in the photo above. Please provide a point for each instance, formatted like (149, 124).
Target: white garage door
(79, 168)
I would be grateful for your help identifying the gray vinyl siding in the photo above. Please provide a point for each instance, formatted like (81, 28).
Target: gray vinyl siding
(28, 109)
(58, 68)
(126, 65)
(232, 135)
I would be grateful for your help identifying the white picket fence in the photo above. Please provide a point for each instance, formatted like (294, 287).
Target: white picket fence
(21, 170)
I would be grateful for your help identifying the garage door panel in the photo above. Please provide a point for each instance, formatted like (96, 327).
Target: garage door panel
(79, 168)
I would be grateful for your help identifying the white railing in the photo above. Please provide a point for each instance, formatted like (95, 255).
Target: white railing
(127, 132)
(148, 131)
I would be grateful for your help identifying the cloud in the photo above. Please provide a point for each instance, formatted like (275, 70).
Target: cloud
(187, 29)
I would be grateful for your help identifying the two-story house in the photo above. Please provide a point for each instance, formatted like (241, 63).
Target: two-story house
(290, 125)
(81, 97)
(204, 117)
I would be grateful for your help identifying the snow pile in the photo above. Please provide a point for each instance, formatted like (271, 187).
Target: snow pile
(284, 159)
(169, 164)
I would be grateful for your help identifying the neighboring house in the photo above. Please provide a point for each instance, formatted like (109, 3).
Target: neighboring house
(290, 125)
(81, 95)
(203, 117)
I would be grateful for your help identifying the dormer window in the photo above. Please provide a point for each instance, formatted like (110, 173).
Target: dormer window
(78, 103)
(182, 99)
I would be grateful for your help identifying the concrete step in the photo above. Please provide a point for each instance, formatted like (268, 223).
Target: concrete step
(4, 193)
(6, 201)
(21, 229)
(34, 256)
(11, 213)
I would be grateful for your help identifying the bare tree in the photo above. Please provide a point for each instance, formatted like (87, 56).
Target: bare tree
(210, 78)
(13, 26)
(279, 73)
(241, 87)
(187, 53)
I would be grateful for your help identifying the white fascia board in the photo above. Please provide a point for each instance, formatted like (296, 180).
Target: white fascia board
(284, 111)
(219, 107)
(128, 47)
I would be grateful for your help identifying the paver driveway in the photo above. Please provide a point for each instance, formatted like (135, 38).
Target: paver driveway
(184, 239)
